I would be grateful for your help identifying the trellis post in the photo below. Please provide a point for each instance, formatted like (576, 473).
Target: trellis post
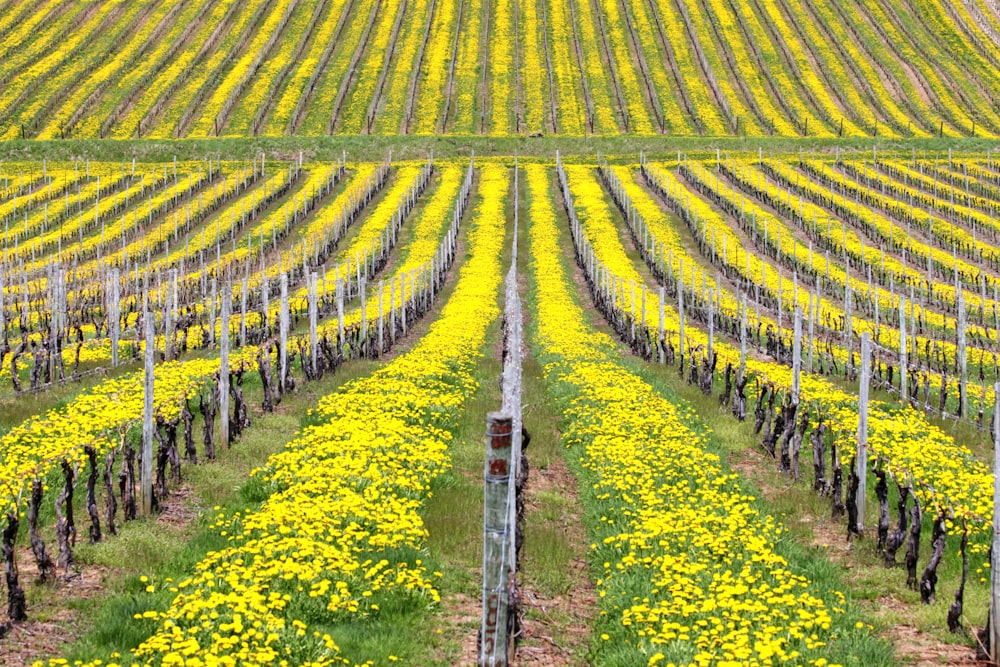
(224, 365)
(493, 646)
(903, 377)
(963, 376)
(862, 455)
(797, 356)
(283, 334)
(146, 464)
(313, 282)
(994, 628)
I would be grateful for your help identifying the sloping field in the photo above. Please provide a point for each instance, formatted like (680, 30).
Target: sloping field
(489, 332)
(816, 68)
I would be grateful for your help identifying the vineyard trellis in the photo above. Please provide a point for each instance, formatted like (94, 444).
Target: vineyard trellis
(506, 473)
(736, 285)
(786, 214)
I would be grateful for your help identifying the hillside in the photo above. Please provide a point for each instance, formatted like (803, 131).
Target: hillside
(815, 68)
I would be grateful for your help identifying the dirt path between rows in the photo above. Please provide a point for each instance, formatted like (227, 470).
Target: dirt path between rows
(556, 627)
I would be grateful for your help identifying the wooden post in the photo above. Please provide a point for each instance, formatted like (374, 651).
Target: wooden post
(493, 647)
(313, 317)
(680, 314)
(756, 306)
(211, 314)
(283, 334)
(963, 375)
(797, 356)
(265, 296)
(113, 320)
(224, 366)
(243, 313)
(146, 464)
(994, 628)
(781, 299)
(903, 379)
(862, 457)
(340, 315)
(53, 320)
(878, 328)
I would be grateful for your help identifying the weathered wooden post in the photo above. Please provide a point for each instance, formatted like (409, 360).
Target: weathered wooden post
(493, 647)
(243, 313)
(994, 628)
(54, 281)
(680, 315)
(862, 455)
(265, 297)
(211, 314)
(340, 316)
(904, 395)
(313, 317)
(113, 320)
(224, 366)
(797, 356)
(781, 298)
(146, 464)
(283, 334)
(963, 375)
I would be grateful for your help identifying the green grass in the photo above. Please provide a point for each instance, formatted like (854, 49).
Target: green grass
(453, 514)
(168, 551)
(549, 544)
(376, 147)
(730, 438)
(165, 551)
(880, 593)
(808, 515)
